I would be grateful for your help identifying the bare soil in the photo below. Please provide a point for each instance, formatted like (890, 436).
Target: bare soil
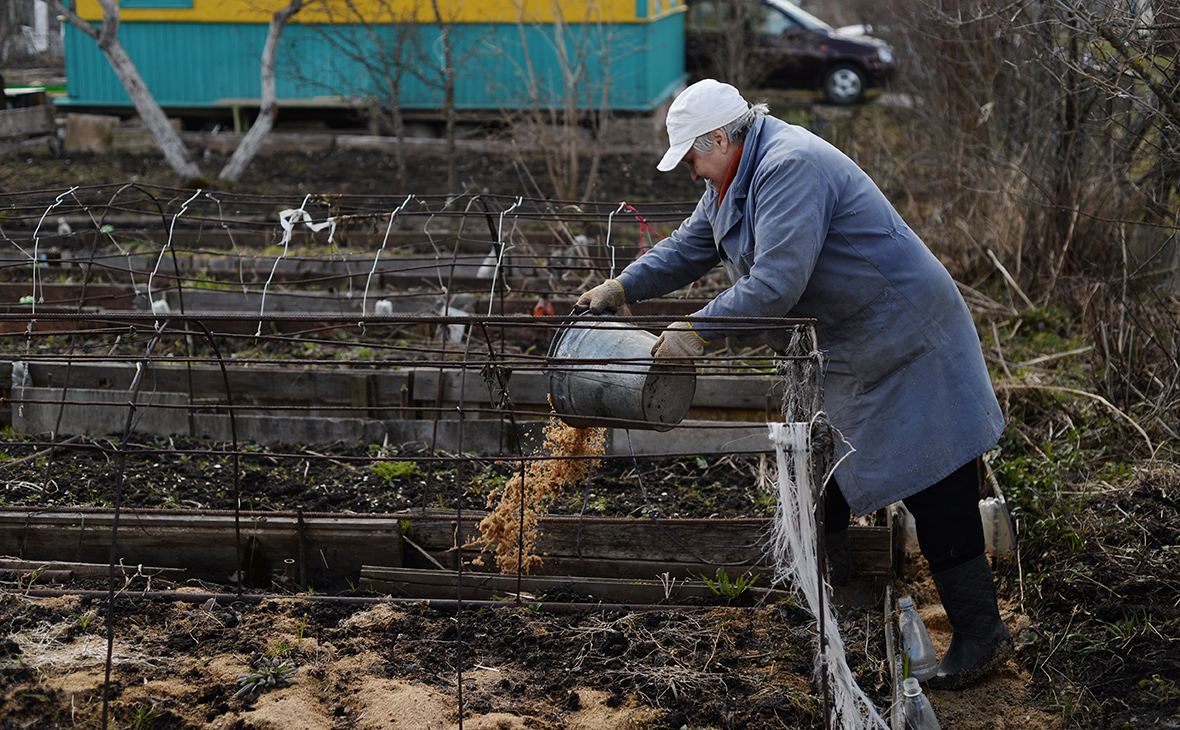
(190, 474)
(182, 664)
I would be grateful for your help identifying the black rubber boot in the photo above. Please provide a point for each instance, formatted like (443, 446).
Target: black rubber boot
(839, 554)
(980, 639)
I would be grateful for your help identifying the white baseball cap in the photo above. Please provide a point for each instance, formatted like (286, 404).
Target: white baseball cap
(706, 105)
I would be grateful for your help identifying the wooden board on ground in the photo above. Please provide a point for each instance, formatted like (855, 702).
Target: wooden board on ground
(536, 589)
(332, 548)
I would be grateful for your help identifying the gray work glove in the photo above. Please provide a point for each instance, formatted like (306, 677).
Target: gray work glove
(606, 297)
(679, 340)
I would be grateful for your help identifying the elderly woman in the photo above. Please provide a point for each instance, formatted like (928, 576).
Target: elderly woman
(802, 231)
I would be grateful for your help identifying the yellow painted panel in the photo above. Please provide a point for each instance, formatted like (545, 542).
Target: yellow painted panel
(452, 11)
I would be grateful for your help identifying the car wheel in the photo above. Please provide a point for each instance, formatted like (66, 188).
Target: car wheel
(844, 84)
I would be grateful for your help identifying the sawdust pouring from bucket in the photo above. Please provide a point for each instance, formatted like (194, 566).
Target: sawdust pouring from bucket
(602, 374)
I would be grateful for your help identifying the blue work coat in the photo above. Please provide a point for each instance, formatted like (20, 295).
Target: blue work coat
(803, 232)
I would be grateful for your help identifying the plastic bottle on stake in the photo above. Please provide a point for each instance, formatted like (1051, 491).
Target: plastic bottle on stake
(915, 640)
(919, 715)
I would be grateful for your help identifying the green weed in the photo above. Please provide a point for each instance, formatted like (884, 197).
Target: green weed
(144, 718)
(85, 619)
(394, 470)
(1159, 691)
(722, 586)
(272, 670)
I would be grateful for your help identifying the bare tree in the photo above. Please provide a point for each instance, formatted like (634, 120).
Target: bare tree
(1053, 124)
(107, 37)
(269, 108)
(387, 42)
(568, 113)
(167, 138)
(447, 81)
(382, 40)
(1048, 138)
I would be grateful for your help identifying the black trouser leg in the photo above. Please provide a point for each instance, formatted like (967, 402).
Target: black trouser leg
(946, 516)
(837, 539)
(837, 513)
(950, 533)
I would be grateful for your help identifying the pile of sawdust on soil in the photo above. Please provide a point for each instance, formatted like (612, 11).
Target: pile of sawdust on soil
(388, 666)
(337, 686)
(178, 665)
(402, 704)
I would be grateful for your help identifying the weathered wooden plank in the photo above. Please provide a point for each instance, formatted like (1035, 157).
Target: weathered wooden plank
(674, 545)
(87, 570)
(495, 438)
(26, 122)
(255, 384)
(493, 586)
(532, 388)
(329, 548)
(644, 569)
(97, 412)
(104, 411)
(692, 437)
(107, 296)
(24, 312)
(316, 302)
(872, 550)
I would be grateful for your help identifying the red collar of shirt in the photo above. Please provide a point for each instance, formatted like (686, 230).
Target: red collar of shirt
(731, 173)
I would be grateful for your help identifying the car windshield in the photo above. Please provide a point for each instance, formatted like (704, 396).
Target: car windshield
(804, 18)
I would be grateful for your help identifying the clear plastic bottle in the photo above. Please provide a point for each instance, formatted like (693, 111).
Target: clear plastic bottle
(919, 715)
(915, 640)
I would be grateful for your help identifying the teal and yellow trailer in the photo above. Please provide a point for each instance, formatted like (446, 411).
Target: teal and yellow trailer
(619, 55)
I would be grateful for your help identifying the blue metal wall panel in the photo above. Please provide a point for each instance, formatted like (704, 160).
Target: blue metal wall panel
(196, 64)
(664, 69)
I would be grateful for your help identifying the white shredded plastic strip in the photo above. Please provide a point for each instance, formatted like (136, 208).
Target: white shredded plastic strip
(794, 552)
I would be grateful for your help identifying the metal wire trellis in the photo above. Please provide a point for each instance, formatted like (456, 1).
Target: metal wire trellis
(404, 320)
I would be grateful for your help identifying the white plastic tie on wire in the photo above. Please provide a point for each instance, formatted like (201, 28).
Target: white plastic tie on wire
(609, 222)
(35, 259)
(287, 219)
(794, 554)
(503, 248)
(20, 378)
(377, 257)
(160, 258)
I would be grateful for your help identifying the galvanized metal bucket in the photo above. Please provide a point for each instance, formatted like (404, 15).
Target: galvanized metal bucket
(602, 370)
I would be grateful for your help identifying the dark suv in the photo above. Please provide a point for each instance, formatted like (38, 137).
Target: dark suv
(775, 45)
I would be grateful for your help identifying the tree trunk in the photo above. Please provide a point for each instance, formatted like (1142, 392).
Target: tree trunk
(448, 93)
(107, 37)
(269, 107)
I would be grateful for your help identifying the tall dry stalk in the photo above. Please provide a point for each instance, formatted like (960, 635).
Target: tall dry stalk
(1048, 138)
(568, 115)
